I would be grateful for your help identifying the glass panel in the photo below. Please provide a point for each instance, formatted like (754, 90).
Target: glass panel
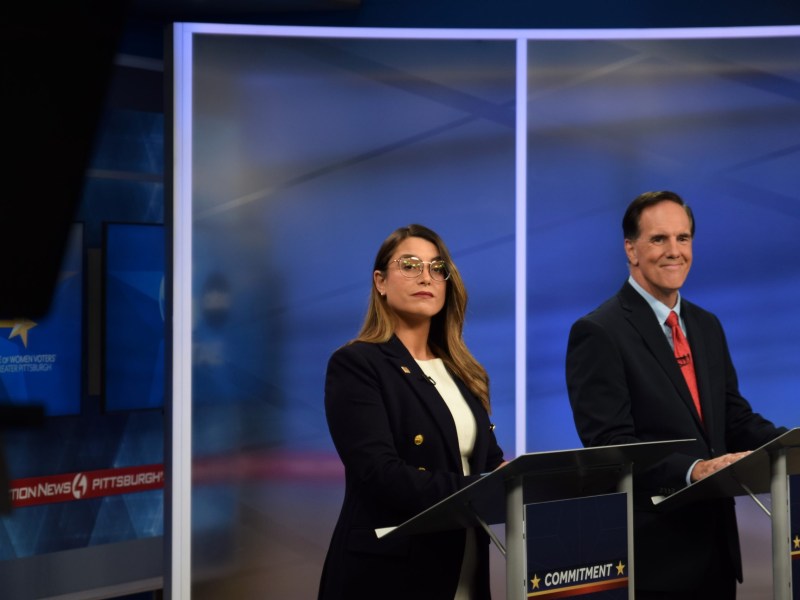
(715, 121)
(307, 154)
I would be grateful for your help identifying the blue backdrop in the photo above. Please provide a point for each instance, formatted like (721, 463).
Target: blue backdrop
(307, 153)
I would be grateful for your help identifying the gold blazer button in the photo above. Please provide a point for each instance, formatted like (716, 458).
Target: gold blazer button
(418, 439)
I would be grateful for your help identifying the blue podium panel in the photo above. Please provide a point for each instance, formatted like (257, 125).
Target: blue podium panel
(578, 547)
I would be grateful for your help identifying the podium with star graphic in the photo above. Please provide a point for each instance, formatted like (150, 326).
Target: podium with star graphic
(578, 547)
(772, 469)
(579, 501)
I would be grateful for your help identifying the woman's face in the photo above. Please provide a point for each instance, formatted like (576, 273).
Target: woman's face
(413, 296)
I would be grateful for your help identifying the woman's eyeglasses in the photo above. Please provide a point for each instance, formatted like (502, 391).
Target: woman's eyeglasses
(412, 267)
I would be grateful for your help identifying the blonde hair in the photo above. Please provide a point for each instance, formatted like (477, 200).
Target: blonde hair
(447, 327)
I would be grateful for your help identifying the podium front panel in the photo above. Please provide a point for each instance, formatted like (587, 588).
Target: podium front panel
(578, 547)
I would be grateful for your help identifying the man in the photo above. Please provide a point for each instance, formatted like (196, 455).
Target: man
(627, 386)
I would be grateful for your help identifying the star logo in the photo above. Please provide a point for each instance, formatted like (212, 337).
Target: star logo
(19, 327)
(796, 541)
(535, 581)
(620, 568)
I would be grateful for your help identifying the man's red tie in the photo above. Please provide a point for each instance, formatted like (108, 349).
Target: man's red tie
(683, 355)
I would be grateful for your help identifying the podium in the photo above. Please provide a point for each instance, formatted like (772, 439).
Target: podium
(765, 470)
(501, 496)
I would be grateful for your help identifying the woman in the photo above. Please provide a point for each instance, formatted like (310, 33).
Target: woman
(408, 410)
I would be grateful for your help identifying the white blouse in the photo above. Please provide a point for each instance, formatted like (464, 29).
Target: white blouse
(467, 431)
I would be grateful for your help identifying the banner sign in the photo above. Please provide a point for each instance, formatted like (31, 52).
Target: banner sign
(578, 547)
(86, 484)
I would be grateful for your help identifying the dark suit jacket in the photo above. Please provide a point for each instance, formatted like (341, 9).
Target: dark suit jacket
(625, 386)
(398, 442)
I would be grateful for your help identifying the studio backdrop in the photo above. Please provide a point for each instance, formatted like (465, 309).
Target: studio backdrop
(299, 150)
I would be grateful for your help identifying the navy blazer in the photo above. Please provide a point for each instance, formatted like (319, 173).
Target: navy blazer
(399, 446)
(625, 386)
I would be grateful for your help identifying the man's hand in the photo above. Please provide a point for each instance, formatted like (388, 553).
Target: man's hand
(704, 468)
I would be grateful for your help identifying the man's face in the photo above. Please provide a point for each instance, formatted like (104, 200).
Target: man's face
(662, 254)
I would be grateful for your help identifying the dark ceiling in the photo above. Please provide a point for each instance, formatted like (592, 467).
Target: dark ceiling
(475, 13)
(228, 11)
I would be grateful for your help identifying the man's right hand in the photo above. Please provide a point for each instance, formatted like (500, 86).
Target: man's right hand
(704, 468)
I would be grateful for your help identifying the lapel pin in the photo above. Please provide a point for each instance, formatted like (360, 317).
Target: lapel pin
(405, 370)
